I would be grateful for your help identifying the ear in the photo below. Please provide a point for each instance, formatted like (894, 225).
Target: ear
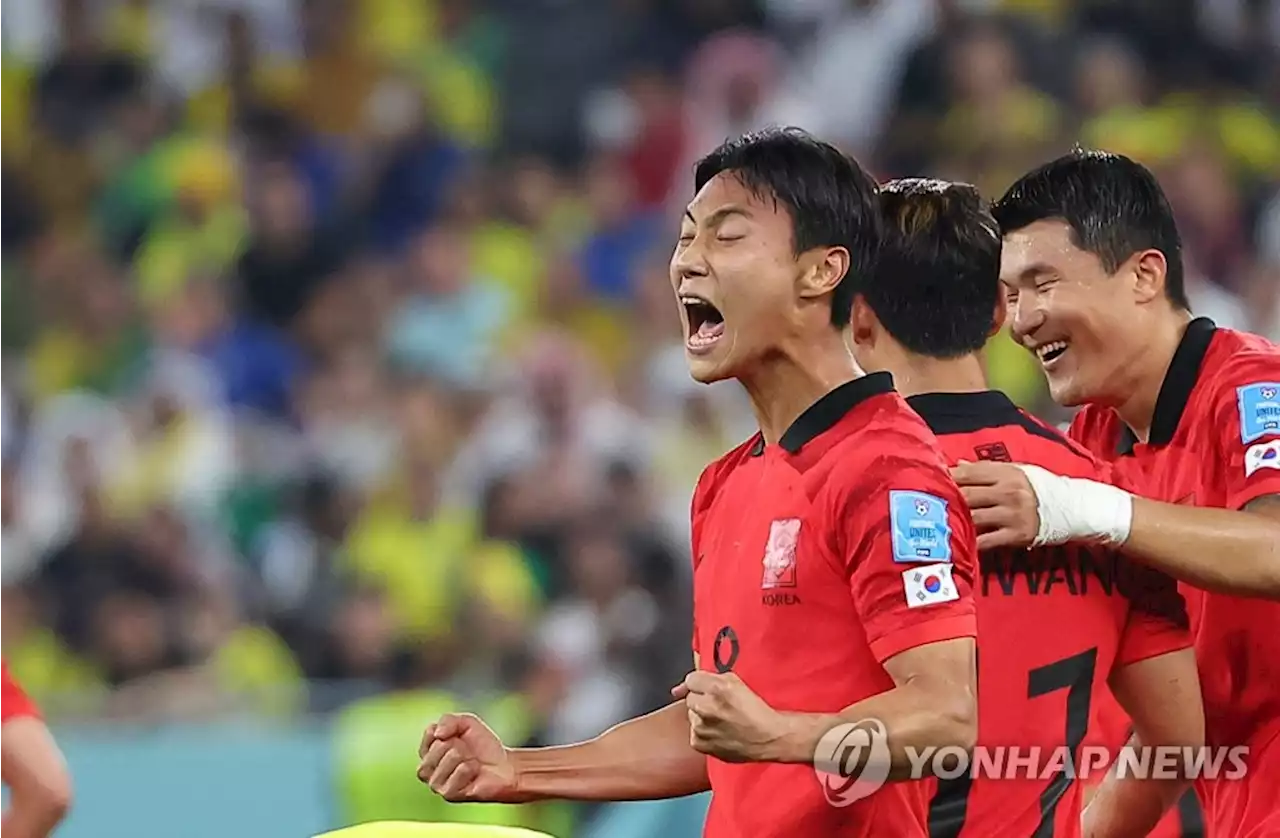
(1001, 315)
(863, 324)
(1149, 272)
(823, 271)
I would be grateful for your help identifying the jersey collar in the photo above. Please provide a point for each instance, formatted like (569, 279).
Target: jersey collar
(1179, 381)
(962, 413)
(822, 415)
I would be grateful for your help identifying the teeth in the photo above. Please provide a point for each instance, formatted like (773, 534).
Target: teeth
(1048, 348)
(690, 300)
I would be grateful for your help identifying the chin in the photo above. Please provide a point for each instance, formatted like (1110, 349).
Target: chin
(707, 370)
(1074, 391)
(1064, 395)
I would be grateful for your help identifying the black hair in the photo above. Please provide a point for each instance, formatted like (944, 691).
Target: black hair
(1113, 206)
(937, 282)
(830, 197)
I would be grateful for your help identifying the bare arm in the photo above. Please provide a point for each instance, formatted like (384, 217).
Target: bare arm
(1190, 543)
(648, 758)
(933, 704)
(39, 785)
(1162, 697)
(1220, 550)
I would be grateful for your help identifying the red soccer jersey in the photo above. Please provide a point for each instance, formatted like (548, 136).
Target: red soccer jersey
(1053, 624)
(1215, 441)
(808, 577)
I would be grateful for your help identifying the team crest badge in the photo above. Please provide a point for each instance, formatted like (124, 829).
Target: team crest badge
(780, 554)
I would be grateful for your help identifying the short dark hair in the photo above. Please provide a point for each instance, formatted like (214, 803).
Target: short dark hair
(830, 197)
(937, 283)
(1113, 206)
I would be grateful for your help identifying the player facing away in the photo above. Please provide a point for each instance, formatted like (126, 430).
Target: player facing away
(1188, 412)
(1060, 627)
(811, 605)
(31, 766)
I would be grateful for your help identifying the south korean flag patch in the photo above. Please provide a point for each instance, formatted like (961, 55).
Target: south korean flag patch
(929, 584)
(1260, 456)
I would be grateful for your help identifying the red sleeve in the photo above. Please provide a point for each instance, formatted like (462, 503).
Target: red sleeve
(1245, 425)
(911, 554)
(14, 701)
(1158, 621)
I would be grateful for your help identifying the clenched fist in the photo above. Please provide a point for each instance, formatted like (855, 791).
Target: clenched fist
(464, 761)
(729, 721)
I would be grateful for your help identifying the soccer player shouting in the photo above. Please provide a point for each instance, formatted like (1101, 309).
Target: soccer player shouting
(833, 557)
(1093, 271)
(1060, 624)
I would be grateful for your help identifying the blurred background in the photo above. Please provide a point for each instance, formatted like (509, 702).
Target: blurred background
(343, 383)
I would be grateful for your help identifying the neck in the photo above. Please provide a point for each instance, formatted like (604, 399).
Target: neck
(786, 384)
(1147, 372)
(917, 374)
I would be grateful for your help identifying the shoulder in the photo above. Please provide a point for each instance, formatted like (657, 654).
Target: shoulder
(1241, 381)
(894, 443)
(1239, 358)
(892, 430)
(1095, 428)
(1064, 454)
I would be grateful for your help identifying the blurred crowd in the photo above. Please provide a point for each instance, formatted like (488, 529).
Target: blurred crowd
(339, 351)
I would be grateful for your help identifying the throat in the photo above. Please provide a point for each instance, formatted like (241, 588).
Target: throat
(783, 386)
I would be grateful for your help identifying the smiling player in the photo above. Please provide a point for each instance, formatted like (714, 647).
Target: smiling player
(1093, 271)
(1058, 625)
(832, 555)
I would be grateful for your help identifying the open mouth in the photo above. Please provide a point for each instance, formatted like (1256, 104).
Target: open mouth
(1050, 352)
(706, 323)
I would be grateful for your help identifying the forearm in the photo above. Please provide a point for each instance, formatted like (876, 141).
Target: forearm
(648, 758)
(39, 787)
(1219, 550)
(916, 717)
(29, 817)
(1215, 549)
(1125, 806)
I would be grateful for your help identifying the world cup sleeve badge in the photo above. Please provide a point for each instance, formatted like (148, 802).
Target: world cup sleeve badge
(1259, 410)
(921, 531)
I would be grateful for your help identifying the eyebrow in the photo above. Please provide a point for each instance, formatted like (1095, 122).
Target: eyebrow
(719, 215)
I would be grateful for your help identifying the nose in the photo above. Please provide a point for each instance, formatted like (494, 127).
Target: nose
(1025, 316)
(687, 263)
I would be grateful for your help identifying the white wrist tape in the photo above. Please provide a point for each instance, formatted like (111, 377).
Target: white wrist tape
(1074, 509)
